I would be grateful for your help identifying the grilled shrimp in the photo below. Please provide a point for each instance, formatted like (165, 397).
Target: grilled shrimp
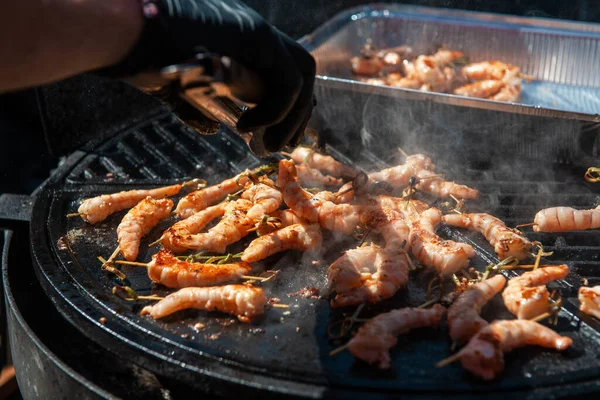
(98, 208)
(265, 196)
(336, 217)
(429, 70)
(446, 256)
(484, 354)
(346, 272)
(201, 199)
(508, 93)
(463, 315)
(590, 300)
(562, 219)
(190, 226)
(246, 302)
(323, 163)
(138, 222)
(397, 80)
(234, 225)
(526, 296)
(382, 214)
(429, 73)
(302, 237)
(281, 218)
(380, 279)
(313, 177)
(431, 183)
(367, 66)
(444, 57)
(507, 242)
(166, 269)
(490, 70)
(421, 167)
(481, 89)
(377, 336)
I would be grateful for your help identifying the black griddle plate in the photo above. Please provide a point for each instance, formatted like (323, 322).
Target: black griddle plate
(287, 351)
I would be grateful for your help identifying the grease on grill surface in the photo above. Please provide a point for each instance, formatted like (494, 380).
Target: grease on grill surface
(299, 346)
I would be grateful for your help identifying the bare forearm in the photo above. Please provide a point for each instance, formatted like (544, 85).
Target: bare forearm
(46, 40)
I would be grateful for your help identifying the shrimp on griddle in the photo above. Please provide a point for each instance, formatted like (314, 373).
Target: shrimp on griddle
(303, 237)
(346, 272)
(313, 177)
(380, 276)
(265, 196)
(421, 168)
(590, 300)
(373, 341)
(246, 302)
(432, 183)
(446, 256)
(201, 199)
(322, 162)
(234, 225)
(382, 214)
(278, 220)
(168, 270)
(98, 208)
(463, 315)
(336, 217)
(484, 354)
(138, 222)
(190, 226)
(507, 242)
(526, 296)
(563, 219)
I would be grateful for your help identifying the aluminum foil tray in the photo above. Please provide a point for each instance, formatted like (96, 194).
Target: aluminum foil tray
(563, 57)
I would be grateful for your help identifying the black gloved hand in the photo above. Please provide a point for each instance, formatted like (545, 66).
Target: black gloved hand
(176, 30)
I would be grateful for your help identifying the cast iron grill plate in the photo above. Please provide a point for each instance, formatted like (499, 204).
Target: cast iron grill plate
(287, 352)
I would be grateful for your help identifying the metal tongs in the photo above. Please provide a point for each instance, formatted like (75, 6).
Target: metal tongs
(212, 85)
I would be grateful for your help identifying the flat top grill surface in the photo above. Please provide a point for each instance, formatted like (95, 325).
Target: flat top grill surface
(292, 345)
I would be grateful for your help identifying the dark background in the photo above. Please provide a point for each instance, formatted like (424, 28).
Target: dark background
(85, 108)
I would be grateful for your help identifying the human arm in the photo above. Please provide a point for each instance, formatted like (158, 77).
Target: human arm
(47, 40)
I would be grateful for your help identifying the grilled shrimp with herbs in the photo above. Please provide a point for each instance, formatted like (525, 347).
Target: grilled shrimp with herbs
(246, 302)
(265, 196)
(138, 222)
(336, 217)
(446, 256)
(526, 296)
(483, 356)
(192, 225)
(381, 273)
(507, 242)
(172, 272)
(303, 237)
(98, 208)
(464, 320)
(373, 341)
(234, 225)
(310, 177)
(201, 199)
(327, 164)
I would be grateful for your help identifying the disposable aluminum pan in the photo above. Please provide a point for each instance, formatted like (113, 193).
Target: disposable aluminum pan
(562, 57)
